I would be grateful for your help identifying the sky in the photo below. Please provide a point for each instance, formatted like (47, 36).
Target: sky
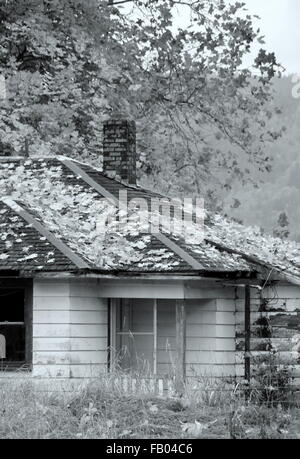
(280, 23)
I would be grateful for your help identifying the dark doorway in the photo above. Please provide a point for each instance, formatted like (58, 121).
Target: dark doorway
(14, 328)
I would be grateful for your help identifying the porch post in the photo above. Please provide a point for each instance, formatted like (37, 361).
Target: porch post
(180, 370)
(247, 333)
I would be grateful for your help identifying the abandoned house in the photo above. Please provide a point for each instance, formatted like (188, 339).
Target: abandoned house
(75, 301)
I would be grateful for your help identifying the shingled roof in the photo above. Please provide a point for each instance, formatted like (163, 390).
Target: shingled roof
(49, 217)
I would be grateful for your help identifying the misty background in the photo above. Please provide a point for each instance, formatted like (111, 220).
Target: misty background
(280, 191)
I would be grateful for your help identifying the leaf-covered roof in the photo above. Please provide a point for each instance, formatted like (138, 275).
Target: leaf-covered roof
(62, 204)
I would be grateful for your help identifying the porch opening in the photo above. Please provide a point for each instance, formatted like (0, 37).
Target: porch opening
(143, 335)
(14, 341)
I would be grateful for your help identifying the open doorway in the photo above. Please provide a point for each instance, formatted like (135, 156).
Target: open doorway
(15, 342)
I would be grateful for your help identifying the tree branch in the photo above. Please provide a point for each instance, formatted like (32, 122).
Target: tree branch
(119, 2)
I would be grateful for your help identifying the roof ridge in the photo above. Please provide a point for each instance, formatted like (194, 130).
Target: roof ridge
(57, 243)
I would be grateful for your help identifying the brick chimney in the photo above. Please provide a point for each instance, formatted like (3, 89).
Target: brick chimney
(119, 150)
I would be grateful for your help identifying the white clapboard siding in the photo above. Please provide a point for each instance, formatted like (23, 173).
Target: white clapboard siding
(52, 303)
(88, 330)
(210, 334)
(227, 305)
(51, 289)
(50, 330)
(70, 328)
(51, 344)
(130, 289)
(93, 304)
(65, 357)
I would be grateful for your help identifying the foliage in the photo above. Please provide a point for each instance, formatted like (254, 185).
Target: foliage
(271, 381)
(70, 64)
(282, 230)
(101, 409)
(249, 421)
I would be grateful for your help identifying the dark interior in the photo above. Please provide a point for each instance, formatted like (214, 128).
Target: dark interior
(12, 326)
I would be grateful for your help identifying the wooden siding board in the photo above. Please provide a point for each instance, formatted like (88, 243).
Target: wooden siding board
(51, 288)
(88, 330)
(69, 344)
(88, 304)
(84, 289)
(51, 344)
(51, 317)
(51, 330)
(48, 303)
(226, 305)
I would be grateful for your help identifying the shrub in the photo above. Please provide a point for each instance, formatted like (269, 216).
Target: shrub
(271, 381)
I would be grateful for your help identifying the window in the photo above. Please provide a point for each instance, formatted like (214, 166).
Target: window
(13, 329)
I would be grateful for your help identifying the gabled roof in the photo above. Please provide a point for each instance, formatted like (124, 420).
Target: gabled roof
(50, 222)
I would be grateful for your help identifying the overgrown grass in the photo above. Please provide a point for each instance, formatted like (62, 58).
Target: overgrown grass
(104, 409)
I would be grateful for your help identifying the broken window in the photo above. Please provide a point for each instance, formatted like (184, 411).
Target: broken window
(12, 329)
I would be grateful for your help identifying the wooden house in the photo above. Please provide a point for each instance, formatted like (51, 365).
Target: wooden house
(74, 301)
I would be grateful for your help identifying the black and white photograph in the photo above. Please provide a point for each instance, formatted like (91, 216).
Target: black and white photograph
(149, 222)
